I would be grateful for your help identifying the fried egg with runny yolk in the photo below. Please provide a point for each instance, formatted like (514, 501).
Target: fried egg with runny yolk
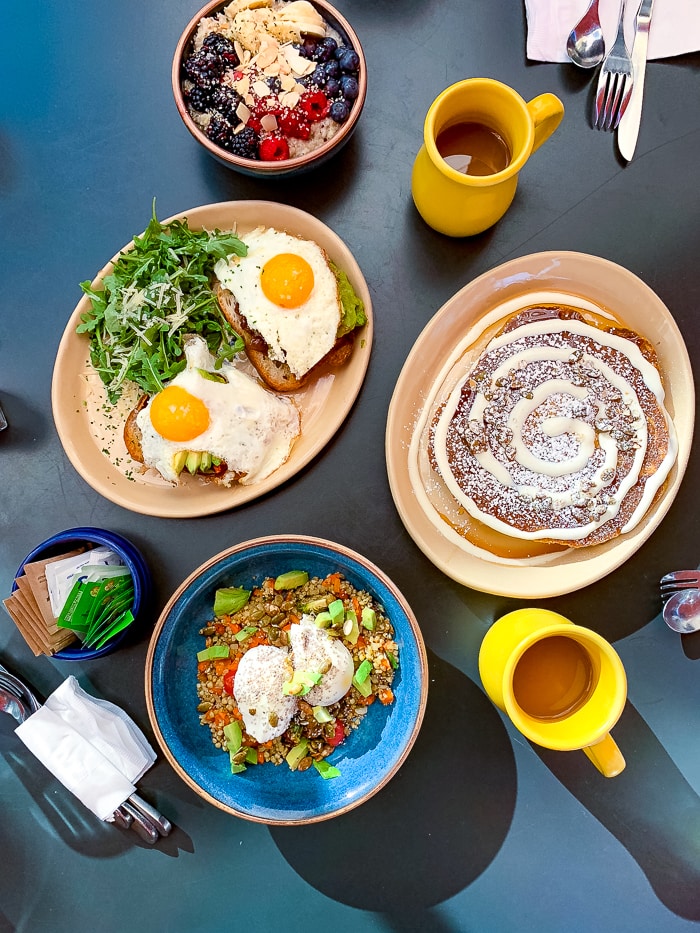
(225, 413)
(288, 293)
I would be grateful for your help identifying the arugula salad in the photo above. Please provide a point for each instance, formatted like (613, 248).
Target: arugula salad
(157, 293)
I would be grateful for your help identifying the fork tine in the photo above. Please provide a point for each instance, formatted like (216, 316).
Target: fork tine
(678, 585)
(625, 94)
(676, 575)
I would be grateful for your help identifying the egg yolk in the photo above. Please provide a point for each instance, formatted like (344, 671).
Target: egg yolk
(287, 280)
(177, 415)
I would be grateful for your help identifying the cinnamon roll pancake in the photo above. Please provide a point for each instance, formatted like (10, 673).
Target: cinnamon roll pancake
(557, 433)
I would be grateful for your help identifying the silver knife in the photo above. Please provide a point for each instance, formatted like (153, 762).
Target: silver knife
(628, 130)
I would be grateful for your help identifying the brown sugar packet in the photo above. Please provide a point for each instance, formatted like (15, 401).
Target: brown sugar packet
(50, 642)
(25, 629)
(34, 572)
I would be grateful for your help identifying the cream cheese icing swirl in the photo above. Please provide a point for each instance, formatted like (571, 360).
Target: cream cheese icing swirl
(558, 433)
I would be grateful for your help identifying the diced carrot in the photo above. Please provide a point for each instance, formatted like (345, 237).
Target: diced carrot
(233, 627)
(361, 641)
(293, 618)
(202, 665)
(261, 756)
(219, 628)
(366, 701)
(384, 664)
(386, 696)
(356, 606)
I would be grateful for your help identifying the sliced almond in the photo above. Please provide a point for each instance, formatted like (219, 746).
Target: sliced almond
(242, 112)
(269, 122)
(260, 89)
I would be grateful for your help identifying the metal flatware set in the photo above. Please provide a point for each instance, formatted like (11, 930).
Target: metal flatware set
(620, 89)
(680, 593)
(18, 700)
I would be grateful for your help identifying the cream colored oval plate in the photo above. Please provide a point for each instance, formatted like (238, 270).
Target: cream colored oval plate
(91, 431)
(578, 276)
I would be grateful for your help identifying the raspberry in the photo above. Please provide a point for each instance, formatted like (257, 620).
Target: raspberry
(315, 105)
(292, 123)
(274, 149)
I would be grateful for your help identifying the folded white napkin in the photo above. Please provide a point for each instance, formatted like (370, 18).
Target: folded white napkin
(675, 26)
(90, 745)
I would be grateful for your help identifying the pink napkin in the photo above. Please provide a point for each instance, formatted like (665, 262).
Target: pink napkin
(675, 26)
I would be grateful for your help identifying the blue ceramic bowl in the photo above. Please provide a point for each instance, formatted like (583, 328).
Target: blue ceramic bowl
(268, 793)
(132, 558)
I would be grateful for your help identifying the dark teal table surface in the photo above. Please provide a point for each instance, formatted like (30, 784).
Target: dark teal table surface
(479, 831)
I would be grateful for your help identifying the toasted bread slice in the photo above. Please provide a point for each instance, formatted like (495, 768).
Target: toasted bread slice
(277, 375)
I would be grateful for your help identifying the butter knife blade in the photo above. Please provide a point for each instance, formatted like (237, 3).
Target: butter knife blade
(628, 130)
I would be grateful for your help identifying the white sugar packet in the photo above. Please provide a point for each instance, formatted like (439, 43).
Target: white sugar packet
(675, 26)
(92, 747)
(62, 574)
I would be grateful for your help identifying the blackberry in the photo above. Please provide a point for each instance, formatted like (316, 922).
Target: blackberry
(226, 101)
(198, 98)
(204, 68)
(274, 84)
(318, 76)
(222, 46)
(245, 144)
(220, 132)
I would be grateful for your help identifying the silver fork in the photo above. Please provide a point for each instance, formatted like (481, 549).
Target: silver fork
(679, 580)
(614, 82)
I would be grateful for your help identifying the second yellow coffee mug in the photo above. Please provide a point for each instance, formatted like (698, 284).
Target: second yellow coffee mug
(460, 204)
(562, 685)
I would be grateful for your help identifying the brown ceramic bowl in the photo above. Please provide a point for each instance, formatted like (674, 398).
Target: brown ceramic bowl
(259, 168)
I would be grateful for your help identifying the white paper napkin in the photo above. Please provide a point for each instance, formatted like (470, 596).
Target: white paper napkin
(675, 26)
(90, 745)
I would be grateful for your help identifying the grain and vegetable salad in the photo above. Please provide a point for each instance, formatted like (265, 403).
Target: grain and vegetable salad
(290, 667)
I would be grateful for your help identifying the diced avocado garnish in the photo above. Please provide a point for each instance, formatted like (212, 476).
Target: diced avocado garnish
(194, 458)
(236, 767)
(363, 672)
(251, 756)
(291, 579)
(214, 377)
(296, 753)
(326, 771)
(301, 683)
(233, 735)
(179, 461)
(351, 630)
(245, 632)
(361, 679)
(337, 611)
(230, 599)
(323, 619)
(213, 653)
(369, 618)
(321, 714)
(353, 309)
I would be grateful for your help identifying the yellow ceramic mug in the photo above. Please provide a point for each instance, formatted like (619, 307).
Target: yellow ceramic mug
(460, 204)
(562, 685)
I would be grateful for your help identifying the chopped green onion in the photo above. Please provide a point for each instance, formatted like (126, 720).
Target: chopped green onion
(245, 632)
(321, 714)
(213, 652)
(326, 771)
(393, 660)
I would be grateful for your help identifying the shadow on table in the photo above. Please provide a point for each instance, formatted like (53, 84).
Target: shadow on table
(650, 808)
(435, 827)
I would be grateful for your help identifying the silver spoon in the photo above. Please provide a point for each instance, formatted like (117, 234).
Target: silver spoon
(681, 611)
(10, 704)
(585, 45)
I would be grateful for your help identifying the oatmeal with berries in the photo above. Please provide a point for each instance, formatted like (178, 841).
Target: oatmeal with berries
(290, 668)
(268, 80)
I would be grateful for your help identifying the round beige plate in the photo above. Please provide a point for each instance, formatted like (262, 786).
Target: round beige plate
(579, 275)
(92, 434)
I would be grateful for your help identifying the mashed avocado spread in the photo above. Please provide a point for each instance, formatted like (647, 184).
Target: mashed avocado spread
(353, 306)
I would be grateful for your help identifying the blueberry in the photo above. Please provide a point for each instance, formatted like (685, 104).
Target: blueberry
(332, 68)
(349, 60)
(325, 49)
(318, 76)
(349, 87)
(332, 88)
(339, 111)
(310, 48)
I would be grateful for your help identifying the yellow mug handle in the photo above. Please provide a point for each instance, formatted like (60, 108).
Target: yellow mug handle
(606, 756)
(547, 112)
